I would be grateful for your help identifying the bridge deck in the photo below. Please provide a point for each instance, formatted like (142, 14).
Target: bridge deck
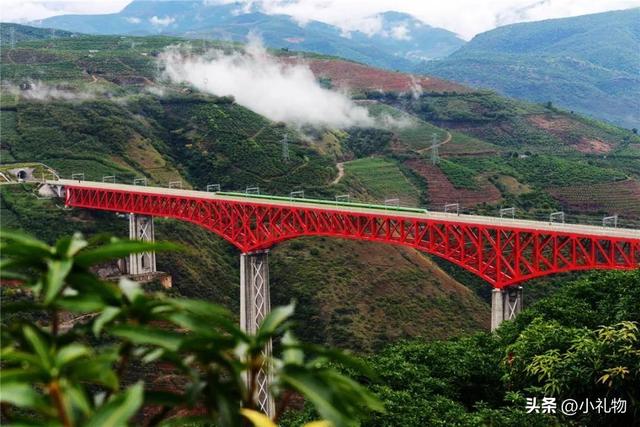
(588, 230)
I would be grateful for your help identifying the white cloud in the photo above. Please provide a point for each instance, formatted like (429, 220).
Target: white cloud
(40, 91)
(132, 20)
(33, 10)
(281, 92)
(349, 16)
(465, 17)
(400, 32)
(161, 22)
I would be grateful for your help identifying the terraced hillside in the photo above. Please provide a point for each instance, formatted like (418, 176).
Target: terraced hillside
(532, 154)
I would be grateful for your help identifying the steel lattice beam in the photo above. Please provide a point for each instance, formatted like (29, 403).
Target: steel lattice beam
(255, 304)
(501, 254)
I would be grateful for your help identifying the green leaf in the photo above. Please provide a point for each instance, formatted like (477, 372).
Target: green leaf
(56, 274)
(274, 319)
(337, 356)
(119, 409)
(316, 391)
(130, 289)
(20, 243)
(68, 247)
(39, 345)
(70, 353)
(22, 395)
(7, 267)
(204, 317)
(106, 316)
(291, 352)
(12, 355)
(258, 419)
(82, 303)
(120, 249)
(96, 371)
(202, 309)
(78, 398)
(88, 283)
(336, 397)
(320, 423)
(21, 375)
(145, 335)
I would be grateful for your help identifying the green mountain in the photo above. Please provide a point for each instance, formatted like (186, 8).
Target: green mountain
(400, 41)
(589, 64)
(15, 33)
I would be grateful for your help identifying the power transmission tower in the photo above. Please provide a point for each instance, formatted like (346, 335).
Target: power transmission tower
(13, 38)
(285, 148)
(435, 156)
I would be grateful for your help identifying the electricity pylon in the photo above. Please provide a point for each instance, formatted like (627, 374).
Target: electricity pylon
(435, 156)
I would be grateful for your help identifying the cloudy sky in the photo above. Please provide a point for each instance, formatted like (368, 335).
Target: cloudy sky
(464, 17)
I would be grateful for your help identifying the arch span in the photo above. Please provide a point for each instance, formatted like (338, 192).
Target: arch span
(502, 253)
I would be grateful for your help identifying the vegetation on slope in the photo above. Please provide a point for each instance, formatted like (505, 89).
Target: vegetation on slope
(527, 152)
(583, 342)
(91, 371)
(362, 295)
(11, 33)
(586, 63)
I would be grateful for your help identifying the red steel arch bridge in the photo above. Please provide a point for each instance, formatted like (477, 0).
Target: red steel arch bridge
(502, 251)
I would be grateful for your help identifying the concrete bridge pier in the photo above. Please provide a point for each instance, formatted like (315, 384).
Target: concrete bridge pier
(505, 305)
(255, 304)
(141, 228)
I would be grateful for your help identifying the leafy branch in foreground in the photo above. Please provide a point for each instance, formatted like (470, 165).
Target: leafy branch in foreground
(89, 373)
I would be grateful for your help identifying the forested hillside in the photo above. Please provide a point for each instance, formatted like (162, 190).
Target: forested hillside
(580, 343)
(15, 33)
(587, 63)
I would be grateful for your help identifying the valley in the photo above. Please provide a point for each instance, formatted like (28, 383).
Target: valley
(106, 108)
(121, 119)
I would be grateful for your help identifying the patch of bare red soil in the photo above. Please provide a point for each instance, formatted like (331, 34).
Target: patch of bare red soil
(442, 191)
(622, 197)
(593, 146)
(563, 128)
(351, 75)
(550, 123)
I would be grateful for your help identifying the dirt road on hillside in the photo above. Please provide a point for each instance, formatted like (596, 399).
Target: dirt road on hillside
(340, 173)
(445, 141)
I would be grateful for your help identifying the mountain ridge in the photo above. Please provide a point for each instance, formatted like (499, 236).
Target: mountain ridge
(588, 63)
(401, 40)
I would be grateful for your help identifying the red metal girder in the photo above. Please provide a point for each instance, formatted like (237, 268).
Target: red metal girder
(499, 254)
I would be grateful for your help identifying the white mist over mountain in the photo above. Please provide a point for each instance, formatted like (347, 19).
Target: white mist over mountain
(282, 92)
(464, 17)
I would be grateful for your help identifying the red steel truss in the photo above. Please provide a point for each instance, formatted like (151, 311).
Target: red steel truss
(500, 254)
